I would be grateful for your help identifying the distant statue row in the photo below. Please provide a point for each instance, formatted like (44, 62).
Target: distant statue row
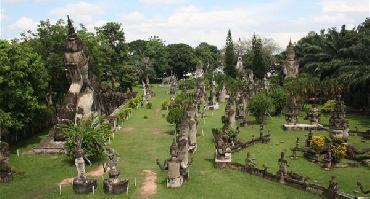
(183, 146)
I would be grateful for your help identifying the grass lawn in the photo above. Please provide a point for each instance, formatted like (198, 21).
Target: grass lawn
(141, 141)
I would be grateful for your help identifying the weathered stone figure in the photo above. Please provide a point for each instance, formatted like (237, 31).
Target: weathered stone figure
(332, 188)
(183, 153)
(241, 109)
(212, 103)
(192, 128)
(223, 93)
(6, 174)
(249, 163)
(174, 177)
(291, 66)
(309, 139)
(283, 168)
(113, 185)
(338, 124)
(328, 160)
(314, 115)
(291, 116)
(223, 151)
(81, 184)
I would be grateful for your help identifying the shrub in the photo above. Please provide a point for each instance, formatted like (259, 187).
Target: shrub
(328, 106)
(338, 151)
(149, 105)
(145, 117)
(260, 105)
(132, 104)
(165, 105)
(318, 143)
(94, 133)
(123, 114)
(279, 99)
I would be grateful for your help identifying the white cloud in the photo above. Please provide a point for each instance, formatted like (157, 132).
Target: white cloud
(24, 24)
(161, 2)
(344, 6)
(81, 11)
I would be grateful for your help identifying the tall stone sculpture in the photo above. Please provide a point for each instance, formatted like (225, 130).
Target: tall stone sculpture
(78, 102)
(338, 124)
(291, 66)
(112, 184)
(212, 103)
(192, 129)
(81, 184)
(6, 174)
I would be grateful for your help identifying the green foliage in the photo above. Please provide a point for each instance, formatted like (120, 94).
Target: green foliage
(230, 58)
(123, 114)
(165, 105)
(187, 84)
(279, 99)
(145, 117)
(258, 65)
(177, 109)
(23, 85)
(182, 59)
(94, 133)
(260, 105)
(149, 105)
(328, 107)
(208, 56)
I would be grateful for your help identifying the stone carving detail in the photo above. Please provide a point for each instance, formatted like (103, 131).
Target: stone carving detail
(314, 115)
(291, 116)
(291, 66)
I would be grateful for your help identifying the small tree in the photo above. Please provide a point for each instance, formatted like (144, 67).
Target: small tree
(94, 133)
(261, 105)
(279, 99)
(230, 56)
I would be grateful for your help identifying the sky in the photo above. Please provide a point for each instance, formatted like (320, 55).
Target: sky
(189, 21)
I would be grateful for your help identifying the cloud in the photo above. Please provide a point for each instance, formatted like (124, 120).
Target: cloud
(161, 2)
(81, 11)
(24, 24)
(344, 6)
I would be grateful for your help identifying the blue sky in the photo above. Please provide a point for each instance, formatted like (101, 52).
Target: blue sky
(190, 21)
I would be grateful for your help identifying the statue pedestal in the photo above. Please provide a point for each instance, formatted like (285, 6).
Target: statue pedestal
(339, 134)
(302, 127)
(223, 161)
(84, 186)
(115, 186)
(175, 182)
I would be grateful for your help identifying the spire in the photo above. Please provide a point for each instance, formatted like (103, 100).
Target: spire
(290, 41)
(71, 29)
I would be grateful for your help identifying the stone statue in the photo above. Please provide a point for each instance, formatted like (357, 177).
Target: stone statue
(112, 184)
(192, 128)
(212, 103)
(223, 93)
(6, 174)
(328, 160)
(291, 66)
(294, 156)
(241, 109)
(309, 139)
(332, 188)
(81, 184)
(338, 124)
(249, 163)
(291, 116)
(314, 115)
(223, 151)
(283, 168)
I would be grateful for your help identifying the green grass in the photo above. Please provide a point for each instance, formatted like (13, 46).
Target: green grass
(142, 141)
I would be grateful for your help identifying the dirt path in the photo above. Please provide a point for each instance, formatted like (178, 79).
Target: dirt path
(94, 173)
(149, 186)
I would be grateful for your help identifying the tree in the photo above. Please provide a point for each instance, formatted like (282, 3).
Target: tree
(208, 56)
(23, 85)
(48, 42)
(112, 38)
(257, 64)
(229, 68)
(158, 55)
(261, 105)
(182, 59)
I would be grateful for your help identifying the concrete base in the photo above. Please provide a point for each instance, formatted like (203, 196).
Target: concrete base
(49, 146)
(84, 186)
(175, 183)
(115, 187)
(223, 162)
(302, 127)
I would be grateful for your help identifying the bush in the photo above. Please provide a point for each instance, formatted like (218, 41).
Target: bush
(279, 99)
(123, 114)
(338, 151)
(149, 105)
(94, 133)
(328, 106)
(260, 105)
(318, 143)
(145, 117)
(165, 105)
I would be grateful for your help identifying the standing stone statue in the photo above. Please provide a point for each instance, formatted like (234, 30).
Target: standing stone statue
(309, 139)
(291, 116)
(112, 184)
(291, 66)
(328, 160)
(294, 156)
(338, 124)
(241, 109)
(82, 185)
(223, 151)
(283, 168)
(77, 103)
(314, 115)
(192, 129)
(223, 93)
(249, 163)
(332, 188)
(212, 103)
(6, 174)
